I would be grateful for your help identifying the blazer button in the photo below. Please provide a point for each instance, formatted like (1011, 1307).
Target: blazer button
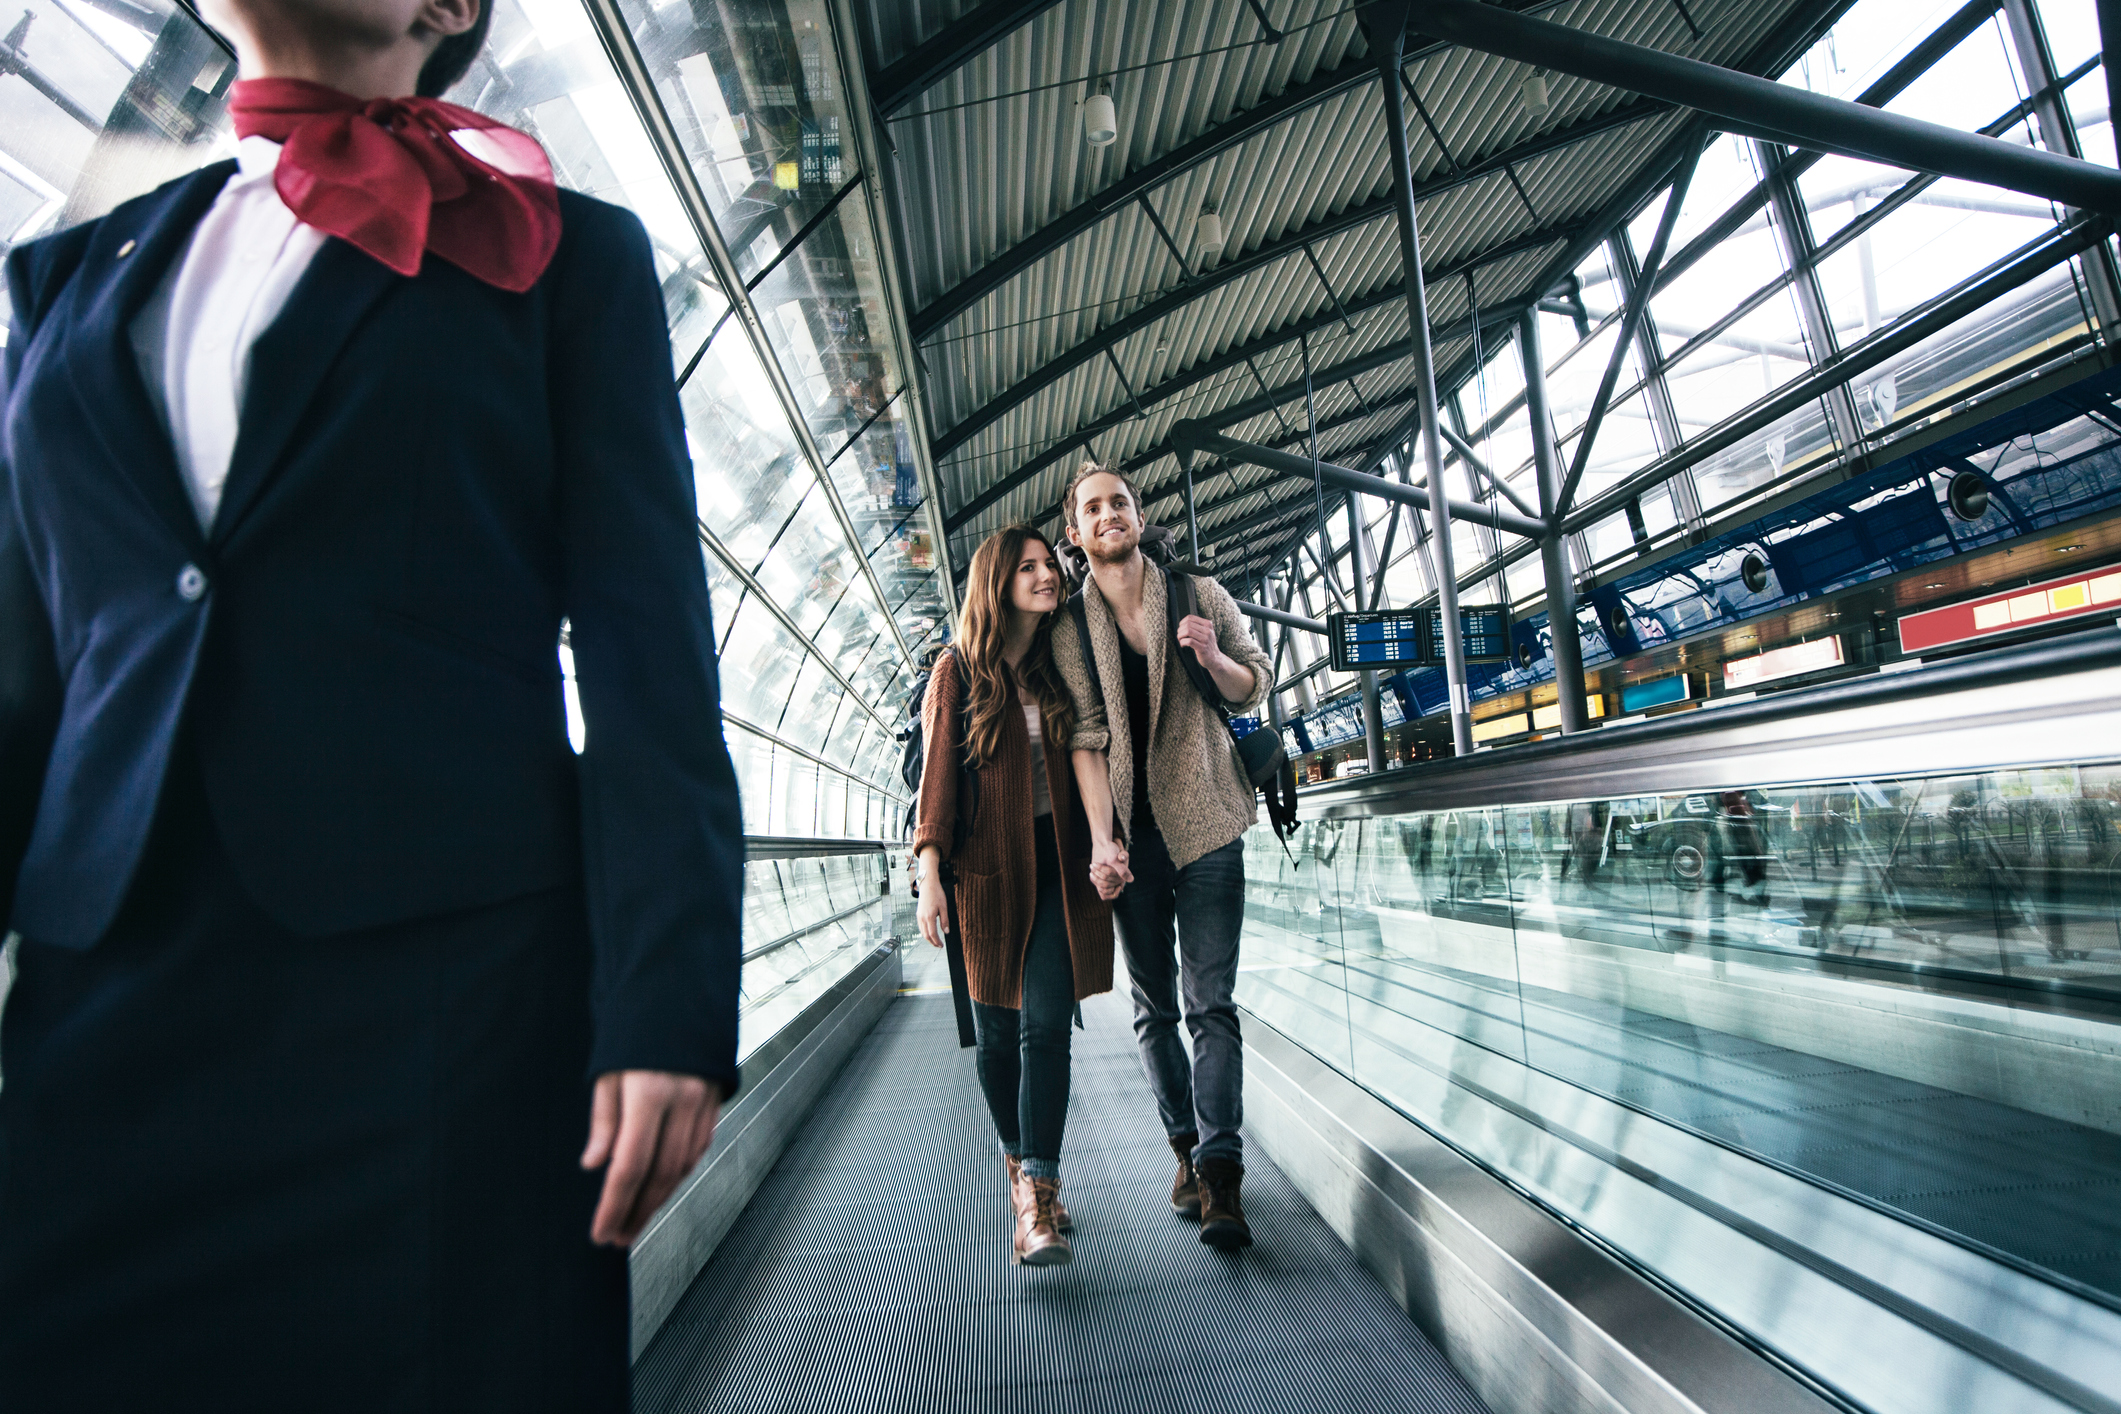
(191, 584)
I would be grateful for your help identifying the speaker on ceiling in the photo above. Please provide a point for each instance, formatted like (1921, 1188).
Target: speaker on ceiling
(1968, 495)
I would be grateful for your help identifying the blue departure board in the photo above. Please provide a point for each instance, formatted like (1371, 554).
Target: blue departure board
(1388, 639)
(1483, 633)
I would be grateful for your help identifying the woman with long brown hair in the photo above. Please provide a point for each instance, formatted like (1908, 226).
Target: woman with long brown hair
(1036, 936)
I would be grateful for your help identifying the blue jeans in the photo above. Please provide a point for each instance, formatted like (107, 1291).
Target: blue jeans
(1179, 929)
(1023, 1055)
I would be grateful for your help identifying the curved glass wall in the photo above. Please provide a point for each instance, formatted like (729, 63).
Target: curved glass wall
(814, 528)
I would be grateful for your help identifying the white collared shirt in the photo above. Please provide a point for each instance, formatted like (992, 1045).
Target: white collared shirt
(193, 339)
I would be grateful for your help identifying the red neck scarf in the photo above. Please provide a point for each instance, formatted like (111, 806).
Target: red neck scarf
(392, 177)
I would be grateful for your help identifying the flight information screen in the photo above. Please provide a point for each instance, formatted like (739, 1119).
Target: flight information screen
(1483, 632)
(1388, 639)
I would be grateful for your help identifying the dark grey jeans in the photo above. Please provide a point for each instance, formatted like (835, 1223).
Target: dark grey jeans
(1023, 1055)
(1179, 928)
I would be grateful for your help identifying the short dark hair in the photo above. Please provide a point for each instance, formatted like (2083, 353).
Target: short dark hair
(452, 57)
(1095, 468)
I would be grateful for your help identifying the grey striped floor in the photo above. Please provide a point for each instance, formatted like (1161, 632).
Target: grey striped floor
(872, 1271)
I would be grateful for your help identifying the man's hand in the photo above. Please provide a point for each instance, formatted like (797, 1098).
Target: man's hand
(1234, 680)
(1108, 868)
(1198, 634)
(651, 1127)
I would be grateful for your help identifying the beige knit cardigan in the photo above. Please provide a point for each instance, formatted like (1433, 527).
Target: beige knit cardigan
(1197, 786)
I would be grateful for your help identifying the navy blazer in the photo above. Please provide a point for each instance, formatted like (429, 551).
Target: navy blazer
(429, 475)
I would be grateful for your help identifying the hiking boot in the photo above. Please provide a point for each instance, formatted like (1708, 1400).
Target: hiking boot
(1222, 1211)
(1061, 1219)
(1185, 1189)
(1038, 1242)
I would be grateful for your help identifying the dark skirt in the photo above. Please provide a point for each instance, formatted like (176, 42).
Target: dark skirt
(246, 1170)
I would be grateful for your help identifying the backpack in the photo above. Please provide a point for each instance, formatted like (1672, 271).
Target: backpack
(1260, 754)
(913, 759)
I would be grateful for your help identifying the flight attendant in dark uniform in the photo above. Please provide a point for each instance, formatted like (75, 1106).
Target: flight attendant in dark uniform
(358, 1024)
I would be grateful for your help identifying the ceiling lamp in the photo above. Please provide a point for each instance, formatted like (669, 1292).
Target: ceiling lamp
(1100, 120)
(1207, 235)
(1533, 93)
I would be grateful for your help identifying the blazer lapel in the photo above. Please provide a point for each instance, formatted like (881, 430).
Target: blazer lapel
(288, 365)
(126, 261)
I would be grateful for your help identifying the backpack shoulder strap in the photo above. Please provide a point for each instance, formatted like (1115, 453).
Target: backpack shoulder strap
(1079, 610)
(1182, 599)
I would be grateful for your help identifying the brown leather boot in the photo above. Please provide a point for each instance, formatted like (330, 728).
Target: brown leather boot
(1185, 1189)
(1061, 1219)
(1222, 1212)
(1038, 1242)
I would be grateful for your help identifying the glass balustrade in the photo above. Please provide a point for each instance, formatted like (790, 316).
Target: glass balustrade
(1906, 991)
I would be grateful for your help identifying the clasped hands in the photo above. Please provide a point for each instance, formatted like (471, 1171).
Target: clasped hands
(1108, 868)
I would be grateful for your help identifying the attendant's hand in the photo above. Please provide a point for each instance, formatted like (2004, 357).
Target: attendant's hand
(1198, 634)
(1108, 868)
(650, 1126)
(932, 915)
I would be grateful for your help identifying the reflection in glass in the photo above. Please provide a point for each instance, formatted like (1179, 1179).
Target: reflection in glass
(823, 310)
(1863, 982)
(755, 95)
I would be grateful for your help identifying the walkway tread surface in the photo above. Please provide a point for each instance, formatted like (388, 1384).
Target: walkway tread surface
(872, 1273)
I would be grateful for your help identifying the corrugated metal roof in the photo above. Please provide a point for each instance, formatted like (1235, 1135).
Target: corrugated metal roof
(994, 152)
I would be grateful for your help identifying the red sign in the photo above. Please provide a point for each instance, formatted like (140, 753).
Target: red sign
(1999, 613)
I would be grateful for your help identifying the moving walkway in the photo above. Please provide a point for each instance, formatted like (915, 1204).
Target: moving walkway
(1762, 1057)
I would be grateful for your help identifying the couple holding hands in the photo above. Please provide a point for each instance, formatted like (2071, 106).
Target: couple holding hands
(1107, 791)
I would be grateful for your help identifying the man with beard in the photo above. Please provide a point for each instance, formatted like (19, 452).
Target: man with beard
(1183, 803)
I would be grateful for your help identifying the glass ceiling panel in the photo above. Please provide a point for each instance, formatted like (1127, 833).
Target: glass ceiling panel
(544, 71)
(754, 92)
(823, 310)
(810, 567)
(97, 107)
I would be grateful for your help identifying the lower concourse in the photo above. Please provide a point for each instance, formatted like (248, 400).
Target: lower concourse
(1670, 456)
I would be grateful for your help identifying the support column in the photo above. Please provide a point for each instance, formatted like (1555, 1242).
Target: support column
(1373, 712)
(2059, 134)
(1385, 26)
(1553, 548)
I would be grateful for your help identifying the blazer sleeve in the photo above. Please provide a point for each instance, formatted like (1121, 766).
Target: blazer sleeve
(935, 822)
(1076, 662)
(1237, 642)
(30, 686)
(662, 831)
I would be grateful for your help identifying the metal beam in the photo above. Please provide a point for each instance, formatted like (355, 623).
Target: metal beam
(1238, 412)
(1207, 282)
(1472, 459)
(1202, 438)
(2058, 133)
(1630, 323)
(1795, 116)
(1373, 712)
(899, 83)
(1282, 617)
(1231, 132)
(1553, 548)
(1385, 26)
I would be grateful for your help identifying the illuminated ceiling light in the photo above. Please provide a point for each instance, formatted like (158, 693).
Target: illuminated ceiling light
(1533, 94)
(1933, 586)
(1100, 120)
(2066, 549)
(785, 176)
(1207, 236)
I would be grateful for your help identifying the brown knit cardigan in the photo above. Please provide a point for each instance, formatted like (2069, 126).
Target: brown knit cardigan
(997, 873)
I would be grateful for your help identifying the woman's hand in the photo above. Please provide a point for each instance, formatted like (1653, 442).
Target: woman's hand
(932, 916)
(1108, 868)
